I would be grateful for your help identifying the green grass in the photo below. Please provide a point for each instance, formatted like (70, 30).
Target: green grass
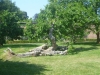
(85, 61)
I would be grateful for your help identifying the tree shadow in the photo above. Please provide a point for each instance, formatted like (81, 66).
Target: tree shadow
(86, 43)
(20, 68)
(92, 46)
(81, 49)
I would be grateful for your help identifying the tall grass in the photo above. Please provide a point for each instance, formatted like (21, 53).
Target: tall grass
(85, 61)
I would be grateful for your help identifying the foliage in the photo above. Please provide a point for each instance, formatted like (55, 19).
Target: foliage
(95, 17)
(67, 22)
(29, 29)
(71, 48)
(71, 18)
(10, 14)
(41, 26)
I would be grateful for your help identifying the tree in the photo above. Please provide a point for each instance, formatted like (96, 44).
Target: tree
(70, 18)
(73, 21)
(2, 27)
(94, 6)
(10, 14)
(67, 22)
(41, 26)
(93, 16)
(29, 29)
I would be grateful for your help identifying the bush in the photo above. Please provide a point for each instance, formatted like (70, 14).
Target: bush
(71, 49)
(85, 40)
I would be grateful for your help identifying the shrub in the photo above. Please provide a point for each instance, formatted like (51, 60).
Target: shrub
(71, 49)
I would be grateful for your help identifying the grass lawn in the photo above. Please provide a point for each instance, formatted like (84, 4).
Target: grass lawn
(85, 61)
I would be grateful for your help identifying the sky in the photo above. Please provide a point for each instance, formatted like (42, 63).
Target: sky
(31, 6)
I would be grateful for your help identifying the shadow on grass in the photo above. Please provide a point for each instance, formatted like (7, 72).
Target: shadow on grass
(81, 49)
(20, 68)
(86, 43)
(91, 46)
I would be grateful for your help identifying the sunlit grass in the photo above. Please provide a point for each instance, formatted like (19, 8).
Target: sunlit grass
(86, 61)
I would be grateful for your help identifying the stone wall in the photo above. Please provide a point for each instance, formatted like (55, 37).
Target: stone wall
(91, 35)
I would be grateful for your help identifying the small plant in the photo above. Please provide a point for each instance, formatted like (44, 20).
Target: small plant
(70, 48)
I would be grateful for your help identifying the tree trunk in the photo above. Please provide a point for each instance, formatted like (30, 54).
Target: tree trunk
(2, 41)
(39, 51)
(97, 37)
(33, 52)
(52, 38)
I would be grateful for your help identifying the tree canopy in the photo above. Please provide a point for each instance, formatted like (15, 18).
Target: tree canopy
(10, 14)
(71, 18)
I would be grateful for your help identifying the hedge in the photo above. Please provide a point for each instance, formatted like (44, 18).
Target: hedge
(27, 41)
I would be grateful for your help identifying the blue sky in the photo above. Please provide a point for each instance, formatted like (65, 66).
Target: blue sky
(31, 6)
